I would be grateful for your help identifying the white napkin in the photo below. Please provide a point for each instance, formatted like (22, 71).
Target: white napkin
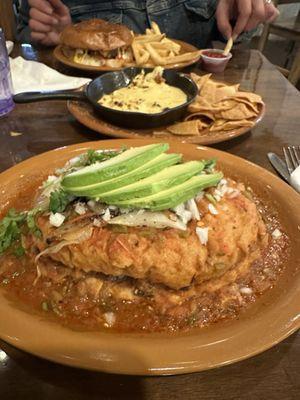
(32, 76)
(9, 46)
(295, 179)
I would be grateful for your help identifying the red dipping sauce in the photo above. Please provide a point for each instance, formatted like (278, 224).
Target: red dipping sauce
(213, 54)
(213, 60)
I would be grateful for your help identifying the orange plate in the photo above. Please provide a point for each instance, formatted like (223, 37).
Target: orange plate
(85, 114)
(185, 48)
(272, 318)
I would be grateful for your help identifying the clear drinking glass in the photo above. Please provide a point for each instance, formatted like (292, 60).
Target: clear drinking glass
(6, 100)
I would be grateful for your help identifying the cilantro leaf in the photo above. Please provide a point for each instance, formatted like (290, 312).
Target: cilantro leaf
(59, 200)
(10, 228)
(19, 251)
(30, 220)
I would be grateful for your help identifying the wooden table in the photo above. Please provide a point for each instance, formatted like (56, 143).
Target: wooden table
(275, 374)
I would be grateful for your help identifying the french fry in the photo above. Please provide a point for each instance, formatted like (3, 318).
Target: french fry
(154, 48)
(228, 47)
(182, 57)
(144, 57)
(163, 52)
(137, 52)
(155, 28)
(165, 46)
(158, 60)
(171, 45)
(149, 38)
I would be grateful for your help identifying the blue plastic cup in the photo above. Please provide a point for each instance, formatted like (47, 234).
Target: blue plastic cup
(6, 99)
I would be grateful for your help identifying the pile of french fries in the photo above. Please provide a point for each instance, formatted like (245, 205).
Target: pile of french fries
(154, 48)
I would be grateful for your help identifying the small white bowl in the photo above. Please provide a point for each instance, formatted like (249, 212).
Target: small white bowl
(214, 64)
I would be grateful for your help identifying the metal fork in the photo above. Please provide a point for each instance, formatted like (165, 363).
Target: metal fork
(292, 157)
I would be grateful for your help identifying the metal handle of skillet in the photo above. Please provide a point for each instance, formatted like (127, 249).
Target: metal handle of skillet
(28, 97)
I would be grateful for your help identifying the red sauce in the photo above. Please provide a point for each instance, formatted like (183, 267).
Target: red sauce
(213, 54)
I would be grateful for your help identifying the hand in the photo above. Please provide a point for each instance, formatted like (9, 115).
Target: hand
(248, 14)
(47, 19)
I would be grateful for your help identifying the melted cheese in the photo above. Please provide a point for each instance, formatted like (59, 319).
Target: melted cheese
(146, 93)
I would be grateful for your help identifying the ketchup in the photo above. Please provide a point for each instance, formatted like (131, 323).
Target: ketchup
(213, 54)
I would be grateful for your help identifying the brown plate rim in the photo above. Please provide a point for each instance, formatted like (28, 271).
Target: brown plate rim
(107, 128)
(58, 54)
(163, 354)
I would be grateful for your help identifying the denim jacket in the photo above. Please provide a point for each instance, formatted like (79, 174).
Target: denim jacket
(190, 20)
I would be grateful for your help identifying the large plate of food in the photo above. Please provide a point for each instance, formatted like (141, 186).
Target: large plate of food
(219, 112)
(147, 257)
(97, 45)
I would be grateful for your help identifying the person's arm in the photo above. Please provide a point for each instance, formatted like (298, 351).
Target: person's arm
(23, 31)
(247, 14)
(45, 19)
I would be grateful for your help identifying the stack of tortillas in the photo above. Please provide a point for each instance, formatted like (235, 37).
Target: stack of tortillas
(218, 107)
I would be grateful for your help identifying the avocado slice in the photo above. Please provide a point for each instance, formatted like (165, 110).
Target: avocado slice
(170, 198)
(116, 166)
(158, 182)
(149, 168)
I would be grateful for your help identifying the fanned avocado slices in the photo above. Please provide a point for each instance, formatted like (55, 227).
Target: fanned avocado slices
(149, 168)
(170, 198)
(165, 179)
(114, 167)
(142, 177)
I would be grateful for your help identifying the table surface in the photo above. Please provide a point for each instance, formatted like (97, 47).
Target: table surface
(274, 374)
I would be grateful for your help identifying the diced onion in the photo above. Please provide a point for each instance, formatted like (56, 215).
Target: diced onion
(276, 234)
(184, 214)
(202, 234)
(200, 195)
(106, 215)
(192, 207)
(80, 208)
(212, 209)
(56, 219)
(97, 222)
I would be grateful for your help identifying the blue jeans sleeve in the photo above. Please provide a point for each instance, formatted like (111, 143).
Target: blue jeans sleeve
(23, 31)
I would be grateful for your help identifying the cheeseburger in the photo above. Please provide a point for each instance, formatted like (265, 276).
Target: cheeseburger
(98, 43)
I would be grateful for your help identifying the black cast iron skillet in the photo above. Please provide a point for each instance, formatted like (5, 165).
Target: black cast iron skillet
(111, 81)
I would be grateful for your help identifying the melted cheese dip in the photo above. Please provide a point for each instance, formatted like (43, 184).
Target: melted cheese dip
(146, 94)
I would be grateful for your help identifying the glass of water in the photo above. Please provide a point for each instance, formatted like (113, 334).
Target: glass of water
(6, 100)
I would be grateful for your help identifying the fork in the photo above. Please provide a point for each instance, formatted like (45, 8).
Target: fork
(292, 157)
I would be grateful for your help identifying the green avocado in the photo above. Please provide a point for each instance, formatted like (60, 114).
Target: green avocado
(116, 166)
(149, 168)
(170, 198)
(158, 182)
